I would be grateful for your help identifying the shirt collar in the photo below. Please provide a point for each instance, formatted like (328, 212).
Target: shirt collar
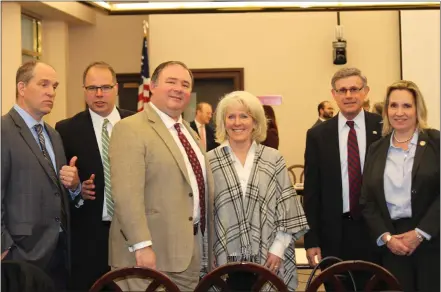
(226, 144)
(113, 117)
(198, 125)
(412, 141)
(166, 119)
(28, 119)
(358, 120)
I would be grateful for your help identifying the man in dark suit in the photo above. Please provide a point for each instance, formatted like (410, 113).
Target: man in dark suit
(204, 112)
(34, 199)
(334, 158)
(325, 112)
(83, 136)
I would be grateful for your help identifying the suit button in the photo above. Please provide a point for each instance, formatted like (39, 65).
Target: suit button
(57, 194)
(190, 195)
(57, 219)
(414, 192)
(190, 218)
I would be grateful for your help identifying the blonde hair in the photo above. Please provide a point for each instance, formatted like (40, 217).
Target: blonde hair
(421, 109)
(254, 108)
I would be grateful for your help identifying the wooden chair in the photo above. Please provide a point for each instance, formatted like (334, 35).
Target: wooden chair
(157, 278)
(330, 275)
(293, 175)
(217, 278)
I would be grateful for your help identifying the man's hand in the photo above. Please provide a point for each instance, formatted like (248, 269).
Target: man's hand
(410, 239)
(87, 189)
(311, 253)
(5, 253)
(273, 262)
(145, 257)
(397, 246)
(69, 175)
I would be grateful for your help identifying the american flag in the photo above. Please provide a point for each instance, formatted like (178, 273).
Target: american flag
(144, 87)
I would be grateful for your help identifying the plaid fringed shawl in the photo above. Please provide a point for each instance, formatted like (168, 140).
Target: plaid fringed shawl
(246, 226)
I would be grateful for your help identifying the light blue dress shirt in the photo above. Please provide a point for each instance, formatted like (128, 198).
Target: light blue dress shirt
(398, 182)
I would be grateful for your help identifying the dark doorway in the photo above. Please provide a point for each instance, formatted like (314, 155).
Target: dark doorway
(209, 86)
(128, 91)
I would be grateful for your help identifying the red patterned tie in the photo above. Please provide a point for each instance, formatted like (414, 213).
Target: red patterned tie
(196, 166)
(354, 171)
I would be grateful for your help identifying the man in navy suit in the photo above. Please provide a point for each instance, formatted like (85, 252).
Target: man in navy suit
(331, 196)
(83, 136)
(204, 112)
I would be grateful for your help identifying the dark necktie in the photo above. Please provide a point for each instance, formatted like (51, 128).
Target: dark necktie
(197, 169)
(354, 171)
(39, 130)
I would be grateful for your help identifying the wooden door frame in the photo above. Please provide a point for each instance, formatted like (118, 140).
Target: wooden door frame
(237, 74)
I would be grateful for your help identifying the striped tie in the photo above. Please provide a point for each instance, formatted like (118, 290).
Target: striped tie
(106, 167)
(354, 171)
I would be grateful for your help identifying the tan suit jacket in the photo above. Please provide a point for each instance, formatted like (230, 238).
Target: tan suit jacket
(152, 194)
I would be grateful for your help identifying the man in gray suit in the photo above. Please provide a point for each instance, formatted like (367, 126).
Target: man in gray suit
(35, 179)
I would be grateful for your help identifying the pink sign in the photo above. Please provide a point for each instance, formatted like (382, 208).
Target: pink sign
(270, 99)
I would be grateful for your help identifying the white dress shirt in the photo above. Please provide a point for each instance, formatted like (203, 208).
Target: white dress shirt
(169, 124)
(343, 131)
(97, 122)
(282, 240)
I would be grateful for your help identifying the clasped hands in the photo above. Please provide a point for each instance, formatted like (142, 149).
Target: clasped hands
(404, 243)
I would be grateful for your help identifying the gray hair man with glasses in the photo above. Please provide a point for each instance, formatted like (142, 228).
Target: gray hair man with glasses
(87, 135)
(334, 159)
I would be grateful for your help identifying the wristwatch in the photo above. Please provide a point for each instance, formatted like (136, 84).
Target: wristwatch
(419, 236)
(388, 238)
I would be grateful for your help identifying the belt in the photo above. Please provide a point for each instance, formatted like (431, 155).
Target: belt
(195, 229)
(347, 216)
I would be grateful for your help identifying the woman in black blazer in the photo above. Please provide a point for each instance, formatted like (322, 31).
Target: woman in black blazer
(401, 190)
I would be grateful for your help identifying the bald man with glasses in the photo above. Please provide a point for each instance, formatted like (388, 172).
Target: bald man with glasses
(86, 135)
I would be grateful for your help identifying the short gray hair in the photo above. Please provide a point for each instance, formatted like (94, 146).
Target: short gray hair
(254, 108)
(347, 72)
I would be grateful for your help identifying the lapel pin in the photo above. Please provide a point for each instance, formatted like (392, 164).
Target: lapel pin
(374, 132)
(422, 143)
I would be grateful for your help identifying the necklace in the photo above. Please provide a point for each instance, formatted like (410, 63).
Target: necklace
(403, 141)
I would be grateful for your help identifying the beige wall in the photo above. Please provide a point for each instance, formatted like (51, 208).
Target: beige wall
(55, 52)
(282, 53)
(11, 52)
(56, 18)
(115, 39)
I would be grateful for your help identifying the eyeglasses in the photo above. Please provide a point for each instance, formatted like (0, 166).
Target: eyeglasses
(104, 88)
(344, 91)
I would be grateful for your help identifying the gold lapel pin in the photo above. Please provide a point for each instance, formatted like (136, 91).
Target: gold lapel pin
(374, 132)
(422, 143)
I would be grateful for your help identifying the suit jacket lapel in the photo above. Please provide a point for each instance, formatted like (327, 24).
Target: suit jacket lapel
(372, 133)
(25, 132)
(420, 148)
(333, 151)
(159, 127)
(379, 169)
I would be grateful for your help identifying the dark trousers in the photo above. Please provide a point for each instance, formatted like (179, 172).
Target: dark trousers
(421, 270)
(356, 245)
(57, 267)
(241, 281)
(90, 254)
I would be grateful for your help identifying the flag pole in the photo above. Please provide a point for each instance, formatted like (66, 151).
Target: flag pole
(144, 90)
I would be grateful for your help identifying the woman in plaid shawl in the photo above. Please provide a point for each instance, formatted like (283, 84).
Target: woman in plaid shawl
(256, 213)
